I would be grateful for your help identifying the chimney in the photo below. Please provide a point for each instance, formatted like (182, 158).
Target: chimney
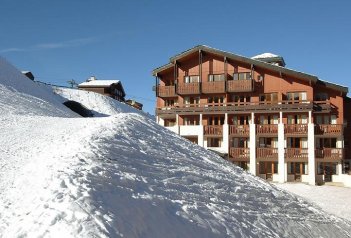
(92, 78)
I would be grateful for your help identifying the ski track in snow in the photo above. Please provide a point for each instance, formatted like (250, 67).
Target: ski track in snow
(125, 176)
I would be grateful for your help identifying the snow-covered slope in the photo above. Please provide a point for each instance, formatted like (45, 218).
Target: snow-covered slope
(21, 95)
(124, 175)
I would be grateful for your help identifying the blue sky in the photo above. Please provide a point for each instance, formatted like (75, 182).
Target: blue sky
(126, 40)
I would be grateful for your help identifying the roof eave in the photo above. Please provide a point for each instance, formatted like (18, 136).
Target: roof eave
(240, 58)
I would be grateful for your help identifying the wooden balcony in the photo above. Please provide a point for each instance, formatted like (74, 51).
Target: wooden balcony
(296, 129)
(213, 130)
(236, 86)
(267, 129)
(236, 107)
(267, 153)
(296, 153)
(239, 130)
(328, 130)
(239, 153)
(188, 88)
(329, 153)
(213, 87)
(166, 91)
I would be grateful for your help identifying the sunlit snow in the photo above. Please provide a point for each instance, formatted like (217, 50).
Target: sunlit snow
(122, 175)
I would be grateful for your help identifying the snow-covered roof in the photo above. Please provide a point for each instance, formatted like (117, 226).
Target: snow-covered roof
(99, 83)
(265, 55)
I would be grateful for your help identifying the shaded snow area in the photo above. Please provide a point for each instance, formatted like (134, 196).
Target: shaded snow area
(122, 175)
(333, 199)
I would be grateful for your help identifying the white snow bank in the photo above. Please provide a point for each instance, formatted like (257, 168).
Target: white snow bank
(20, 95)
(332, 199)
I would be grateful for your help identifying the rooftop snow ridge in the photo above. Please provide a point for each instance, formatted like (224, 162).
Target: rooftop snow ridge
(265, 55)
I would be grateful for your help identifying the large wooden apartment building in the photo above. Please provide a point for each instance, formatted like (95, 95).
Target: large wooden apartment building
(280, 124)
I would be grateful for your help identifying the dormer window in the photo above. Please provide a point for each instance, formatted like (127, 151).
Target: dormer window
(242, 76)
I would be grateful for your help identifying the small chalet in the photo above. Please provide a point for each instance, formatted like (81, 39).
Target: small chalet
(111, 88)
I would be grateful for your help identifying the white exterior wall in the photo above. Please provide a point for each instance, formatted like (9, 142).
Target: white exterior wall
(253, 158)
(311, 155)
(190, 130)
(281, 157)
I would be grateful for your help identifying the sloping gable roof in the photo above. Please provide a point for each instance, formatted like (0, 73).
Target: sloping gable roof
(255, 62)
(101, 84)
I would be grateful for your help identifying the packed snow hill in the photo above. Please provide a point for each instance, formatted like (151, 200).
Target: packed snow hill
(119, 174)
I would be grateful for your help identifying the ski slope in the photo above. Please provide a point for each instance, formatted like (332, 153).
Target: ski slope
(122, 175)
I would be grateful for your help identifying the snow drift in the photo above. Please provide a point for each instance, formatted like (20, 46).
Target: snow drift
(122, 175)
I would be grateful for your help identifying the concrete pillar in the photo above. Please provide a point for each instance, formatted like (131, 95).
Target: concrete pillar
(339, 168)
(177, 119)
(253, 159)
(200, 138)
(161, 121)
(225, 145)
(281, 153)
(311, 153)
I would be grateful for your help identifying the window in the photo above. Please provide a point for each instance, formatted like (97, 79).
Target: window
(267, 142)
(216, 99)
(269, 97)
(215, 77)
(297, 119)
(322, 119)
(170, 102)
(191, 121)
(240, 142)
(239, 120)
(325, 143)
(296, 96)
(296, 142)
(297, 168)
(241, 98)
(170, 122)
(321, 97)
(268, 168)
(192, 79)
(191, 100)
(242, 76)
(216, 120)
(213, 142)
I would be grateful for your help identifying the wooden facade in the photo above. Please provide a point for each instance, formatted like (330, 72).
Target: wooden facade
(237, 91)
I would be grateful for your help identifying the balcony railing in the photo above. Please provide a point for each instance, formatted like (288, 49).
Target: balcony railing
(213, 130)
(235, 86)
(267, 153)
(213, 87)
(233, 107)
(239, 153)
(267, 129)
(296, 153)
(189, 88)
(329, 153)
(296, 129)
(166, 91)
(328, 130)
(239, 130)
